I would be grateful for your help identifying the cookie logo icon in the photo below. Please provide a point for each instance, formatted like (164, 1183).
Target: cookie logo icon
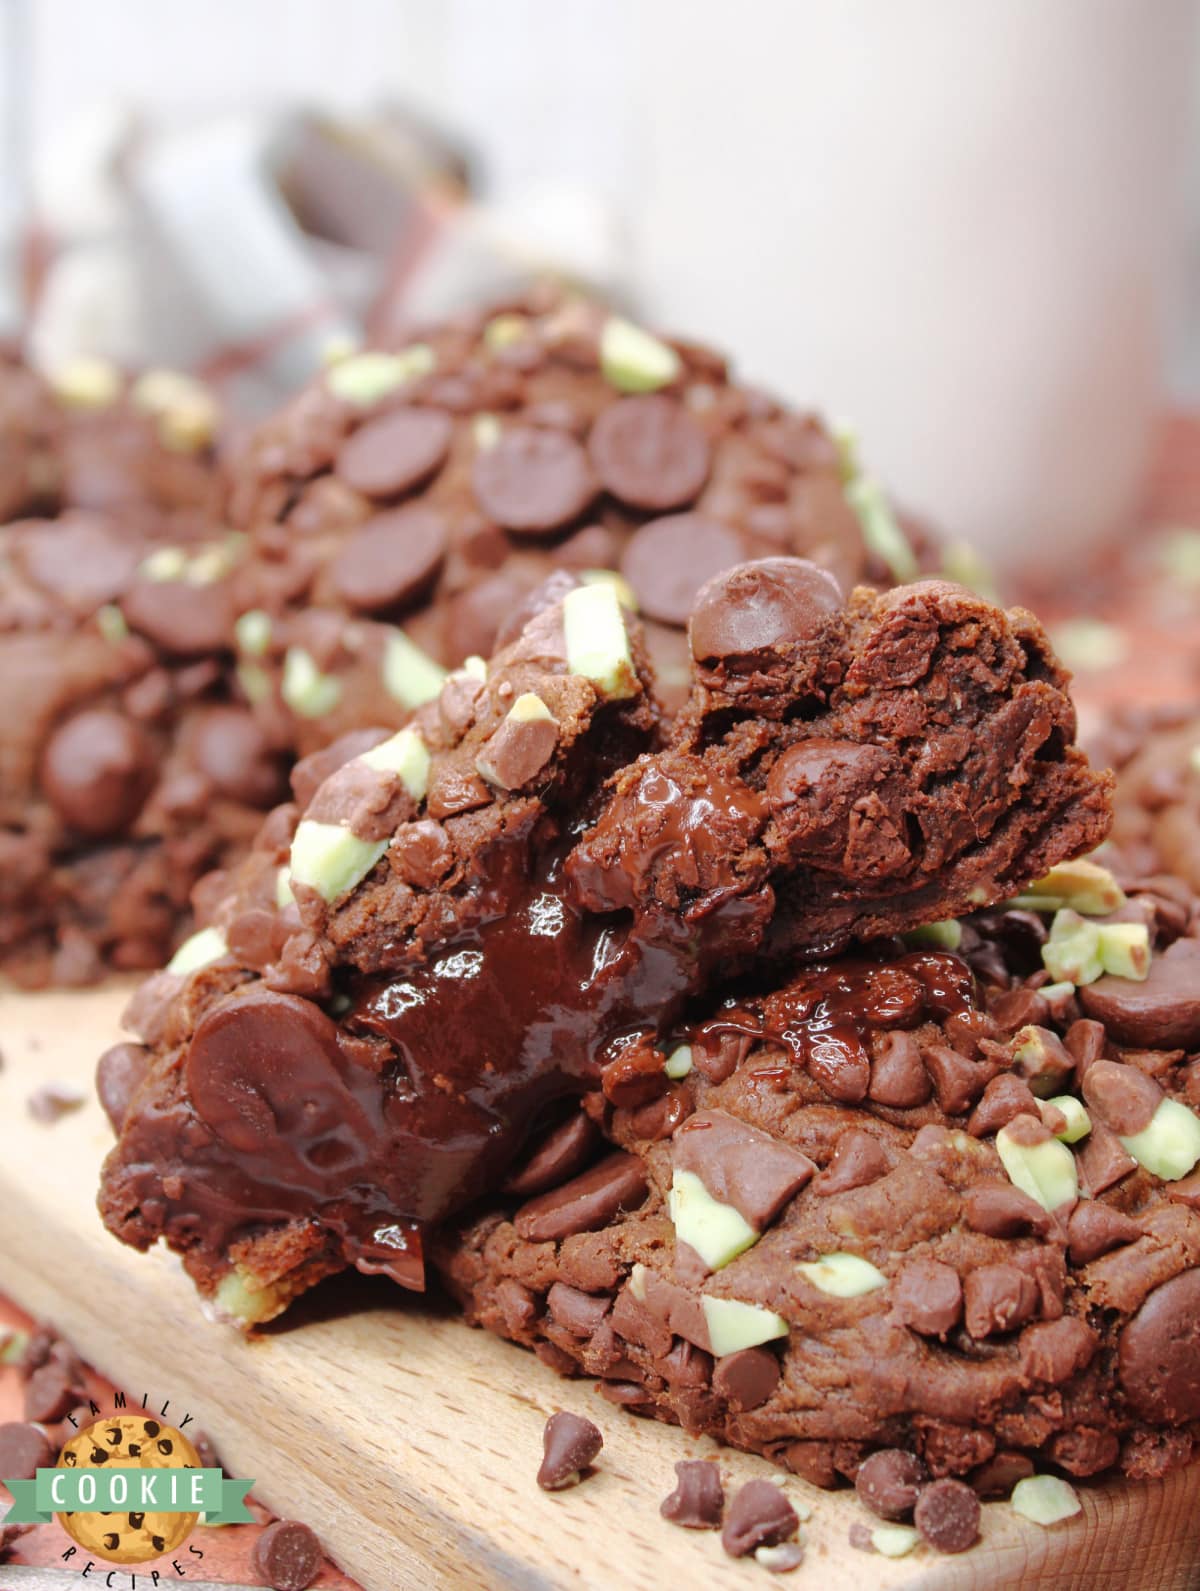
(131, 1534)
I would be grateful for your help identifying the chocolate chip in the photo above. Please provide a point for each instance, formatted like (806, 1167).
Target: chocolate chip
(1001, 1473)
(51, 1101)
(997, 1299)
(1018, 1008)
(520, 748)
(563, 1152)
(548, 594)
(1000, 1210)
(890, 1481)
(947, 1516)
(838, 1061)
(898, 1075)
(1159, 1353)
(24, 1449)
(580, 1313)
(264, 1066)
(668, 560)
(232, 749)
(957, 1082)
(740, 1165)
(1102, 1160)
(181, 618)
(698, 1500)
(1123, 1097)
(1004, 1098)
(52, 1392)
(391, 560)
(771, 603)
(1095, 1229)
(97, 770)
(1052, 1351)
(1085, 1040)
(927, 1298)
(759, 1516)
(85, 560)
(858, 1159)
(1161, 1013)
(532, 481)
(747, 1378)
(586, 1203)
(394, 452)
(569, 1445)
(649, 452)
(287, 1556)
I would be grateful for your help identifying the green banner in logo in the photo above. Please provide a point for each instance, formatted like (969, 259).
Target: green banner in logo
(139, 1491)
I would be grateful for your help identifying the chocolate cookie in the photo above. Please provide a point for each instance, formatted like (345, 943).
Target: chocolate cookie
(126, 768)
(463, 927)
(406, 502)
(854, 1227)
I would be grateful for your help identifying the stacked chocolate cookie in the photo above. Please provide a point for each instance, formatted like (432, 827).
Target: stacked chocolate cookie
(175, 633)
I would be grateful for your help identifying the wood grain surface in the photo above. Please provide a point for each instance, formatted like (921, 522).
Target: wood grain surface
(410, 1442)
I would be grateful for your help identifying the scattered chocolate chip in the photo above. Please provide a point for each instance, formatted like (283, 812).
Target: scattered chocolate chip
(569, 1446)
(24, 1449)
(586, 1203)
(1102, 1160)
(287, 1555)
(947, 1516)
(698, 1500)
(51, 1101)
(747, 1378)
(889, 1482)
(759, 1516)
(957, 1081)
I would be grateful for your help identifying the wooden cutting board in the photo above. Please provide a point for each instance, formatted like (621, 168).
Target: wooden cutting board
(410, 1442)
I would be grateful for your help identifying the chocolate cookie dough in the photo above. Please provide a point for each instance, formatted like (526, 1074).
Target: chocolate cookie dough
(126, 770)
(871, 1247)
(457, 930)
(405, 504)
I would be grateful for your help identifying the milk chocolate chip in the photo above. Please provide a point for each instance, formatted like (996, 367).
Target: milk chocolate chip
(569, 1446)
(649, 452)
(668, 560)
(97, 770)
(1159, 1353)
(394, 452)
(770, 603)
(533, 481)
(391, 559)
(586, 1203)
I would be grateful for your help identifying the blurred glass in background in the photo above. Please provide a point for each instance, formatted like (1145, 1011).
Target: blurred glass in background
(964, 228)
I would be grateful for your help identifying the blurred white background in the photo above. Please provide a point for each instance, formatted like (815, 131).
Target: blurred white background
(962, 224)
